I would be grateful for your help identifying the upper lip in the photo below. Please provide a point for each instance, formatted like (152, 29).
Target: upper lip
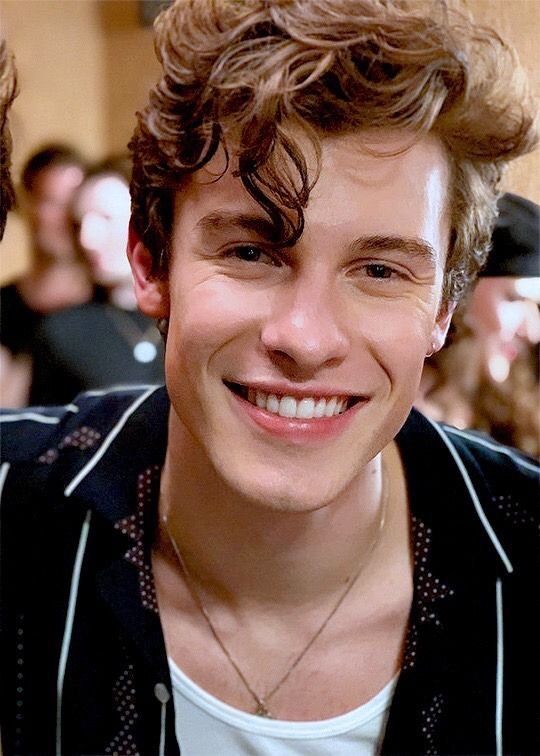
(286, 389)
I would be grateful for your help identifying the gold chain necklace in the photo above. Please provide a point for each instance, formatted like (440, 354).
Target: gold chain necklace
(262, 701)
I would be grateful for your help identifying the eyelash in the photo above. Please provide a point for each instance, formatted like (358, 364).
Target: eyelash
(273, 260)
(389, 271)
(385, 269)
(234, 252)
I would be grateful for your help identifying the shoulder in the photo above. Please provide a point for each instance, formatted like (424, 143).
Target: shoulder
(469, 483)
(470, 453)
(503, 485)
(69, 319)
(501, 466)
(29, 433)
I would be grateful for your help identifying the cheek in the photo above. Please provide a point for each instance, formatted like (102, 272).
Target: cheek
(398, 331)
(207, 317)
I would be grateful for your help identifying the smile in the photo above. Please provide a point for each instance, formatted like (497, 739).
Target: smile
(301, 408)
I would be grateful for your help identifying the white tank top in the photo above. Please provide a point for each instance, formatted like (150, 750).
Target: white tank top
(205, 726)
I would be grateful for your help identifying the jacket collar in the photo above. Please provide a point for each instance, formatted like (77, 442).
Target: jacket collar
(450, 493)
(133, 428)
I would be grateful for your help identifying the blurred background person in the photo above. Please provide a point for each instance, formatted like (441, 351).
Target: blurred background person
(105, 343)
(486, 378)
(58, 277)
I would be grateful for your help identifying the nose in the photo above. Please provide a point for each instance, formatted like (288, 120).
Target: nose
(305, 330)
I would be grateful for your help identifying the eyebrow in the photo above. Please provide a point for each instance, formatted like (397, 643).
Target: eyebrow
(411, 245)
(221, 221)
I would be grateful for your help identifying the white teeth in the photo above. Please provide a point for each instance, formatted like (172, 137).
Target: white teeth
(272, 404)
(287, 406)
(320, 408)
(330, 407)
(305, 409)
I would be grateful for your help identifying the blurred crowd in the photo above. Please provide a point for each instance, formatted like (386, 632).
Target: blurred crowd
(487, 375)
(71, 323)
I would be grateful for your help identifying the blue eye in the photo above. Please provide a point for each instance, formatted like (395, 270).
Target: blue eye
(376, 270)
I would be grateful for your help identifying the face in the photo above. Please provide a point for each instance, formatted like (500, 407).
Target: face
(290, 369)
(503, 313)
(101, 214)
(48, 209)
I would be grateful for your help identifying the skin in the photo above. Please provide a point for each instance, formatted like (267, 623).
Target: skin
(287, 514)
(101, 212)
(47, 209)
(504, 322)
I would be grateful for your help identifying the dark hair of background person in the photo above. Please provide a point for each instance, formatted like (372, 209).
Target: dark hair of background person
(48, 156)
(253, 75)
(8, 92)
(515, 243)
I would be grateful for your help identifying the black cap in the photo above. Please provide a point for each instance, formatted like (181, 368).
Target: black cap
(515, 249)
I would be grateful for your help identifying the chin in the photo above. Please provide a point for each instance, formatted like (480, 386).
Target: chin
(281, 488)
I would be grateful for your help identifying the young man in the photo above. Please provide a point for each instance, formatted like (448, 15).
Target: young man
(277, 556)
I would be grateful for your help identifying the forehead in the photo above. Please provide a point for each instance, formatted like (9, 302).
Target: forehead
(58, 180)
(375, 184)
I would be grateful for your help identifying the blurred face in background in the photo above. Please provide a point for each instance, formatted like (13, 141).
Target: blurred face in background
(101, 211)
(503, 313)
(47, 208)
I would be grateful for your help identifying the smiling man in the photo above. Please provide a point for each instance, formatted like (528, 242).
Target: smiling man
(274, 555)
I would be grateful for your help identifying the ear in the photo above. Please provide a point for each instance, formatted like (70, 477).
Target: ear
(152, 292)
(441, 326)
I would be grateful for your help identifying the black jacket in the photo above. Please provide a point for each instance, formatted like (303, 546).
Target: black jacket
(84, 668)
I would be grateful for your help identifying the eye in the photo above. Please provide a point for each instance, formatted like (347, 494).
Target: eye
(377, 270)
(253, 254)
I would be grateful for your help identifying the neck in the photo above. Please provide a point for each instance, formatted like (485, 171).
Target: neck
(246, 554)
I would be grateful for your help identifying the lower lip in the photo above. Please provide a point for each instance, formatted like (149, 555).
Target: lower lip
(297, 430)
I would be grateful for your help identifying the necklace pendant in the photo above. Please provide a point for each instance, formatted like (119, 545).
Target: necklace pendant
(262, 711)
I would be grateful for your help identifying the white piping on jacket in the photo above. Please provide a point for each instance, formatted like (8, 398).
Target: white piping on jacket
(68, 628)
(121, 387)
(163, 696)
(474, 496)
(35, 416)
(4, 469)
(496, 448)
(108, 441)
(500, 670)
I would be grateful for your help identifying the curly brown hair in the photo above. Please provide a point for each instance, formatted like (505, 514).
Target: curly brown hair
(8, 91)
(247, 74)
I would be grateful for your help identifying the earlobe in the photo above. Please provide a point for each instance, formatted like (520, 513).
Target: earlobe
(440, 329)
(152, 292)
